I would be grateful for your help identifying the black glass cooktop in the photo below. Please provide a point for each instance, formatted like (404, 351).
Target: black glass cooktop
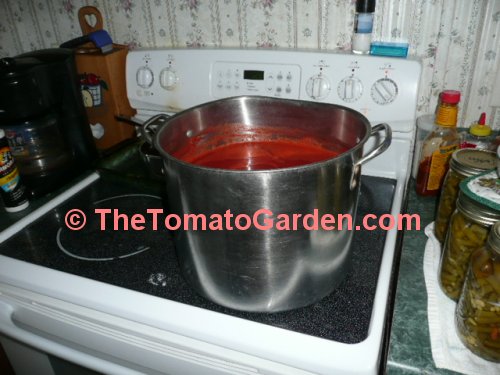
(145, 260)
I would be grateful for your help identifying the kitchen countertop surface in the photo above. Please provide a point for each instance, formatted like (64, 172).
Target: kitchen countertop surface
(409, 346)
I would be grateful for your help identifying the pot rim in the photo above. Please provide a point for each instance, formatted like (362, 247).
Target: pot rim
(345, 154)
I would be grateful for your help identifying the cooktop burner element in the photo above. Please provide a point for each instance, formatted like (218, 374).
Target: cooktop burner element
(91, 243)
(145, 261)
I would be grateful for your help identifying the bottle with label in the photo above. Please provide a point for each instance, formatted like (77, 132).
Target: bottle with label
(439, 145)
(12, 191)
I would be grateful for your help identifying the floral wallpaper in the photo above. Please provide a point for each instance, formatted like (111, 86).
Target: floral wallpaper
(456, 40)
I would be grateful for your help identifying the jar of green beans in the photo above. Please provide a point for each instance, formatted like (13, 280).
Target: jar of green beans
(477, 315)
(464, 163)
(469, 228)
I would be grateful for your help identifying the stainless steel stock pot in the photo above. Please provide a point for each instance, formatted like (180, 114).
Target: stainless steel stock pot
(267, 270)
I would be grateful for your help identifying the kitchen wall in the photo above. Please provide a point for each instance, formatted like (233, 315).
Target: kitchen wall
(458, 41)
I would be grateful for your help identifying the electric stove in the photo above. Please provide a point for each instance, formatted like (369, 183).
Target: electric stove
(115, 302)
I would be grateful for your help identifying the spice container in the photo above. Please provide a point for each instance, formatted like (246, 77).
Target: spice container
(477, 316)
(469, 226)
(12, 191)
(439, 145)
(363, 26)
(464, 163)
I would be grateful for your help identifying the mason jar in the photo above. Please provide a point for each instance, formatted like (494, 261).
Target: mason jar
(464, 163)
(477, 316)
(469, 228)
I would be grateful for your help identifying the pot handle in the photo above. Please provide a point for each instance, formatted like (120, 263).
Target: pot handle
(381, 147)
(156, 121)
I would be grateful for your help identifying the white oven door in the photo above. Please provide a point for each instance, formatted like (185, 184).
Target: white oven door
(37, 331)
(38, 340)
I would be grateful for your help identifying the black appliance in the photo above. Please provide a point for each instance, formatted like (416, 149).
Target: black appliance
(42, 113)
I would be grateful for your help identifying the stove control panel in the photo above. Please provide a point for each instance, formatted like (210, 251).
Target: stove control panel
(235, 78)
(384, 89)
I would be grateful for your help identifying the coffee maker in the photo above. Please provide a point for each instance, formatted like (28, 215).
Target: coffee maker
(42, 114)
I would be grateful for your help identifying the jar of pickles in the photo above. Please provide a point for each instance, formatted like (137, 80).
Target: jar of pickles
(469, 228)
(477, 316)
(464, 163)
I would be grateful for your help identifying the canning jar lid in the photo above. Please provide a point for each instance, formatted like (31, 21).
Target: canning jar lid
(484, 189)
(476, 211)
(470, 162)
(494, 238)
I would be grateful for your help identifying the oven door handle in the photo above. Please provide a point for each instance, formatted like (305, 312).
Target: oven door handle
(20, 323)
(111, 345)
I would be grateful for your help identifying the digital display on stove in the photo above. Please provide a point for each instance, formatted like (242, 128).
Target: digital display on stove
(256, 75)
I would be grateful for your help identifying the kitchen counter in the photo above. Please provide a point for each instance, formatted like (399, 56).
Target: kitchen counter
(409, 346)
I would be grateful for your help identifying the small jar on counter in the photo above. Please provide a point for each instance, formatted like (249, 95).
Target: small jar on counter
(469, 228)
(464, 163)
(363, 26)
(477, 316)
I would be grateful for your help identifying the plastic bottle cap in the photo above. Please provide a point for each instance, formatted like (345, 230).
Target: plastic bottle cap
(450, 96)
(21, 207)
(365, 6)
(480, 130)
(482, 119)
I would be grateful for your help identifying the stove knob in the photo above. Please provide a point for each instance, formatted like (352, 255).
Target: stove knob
(318, 87)
(144, 77)
(168, 79)
(384, 91)
(350, 89)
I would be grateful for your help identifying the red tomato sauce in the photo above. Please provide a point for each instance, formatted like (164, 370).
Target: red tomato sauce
(237, 148)
(261, 155)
